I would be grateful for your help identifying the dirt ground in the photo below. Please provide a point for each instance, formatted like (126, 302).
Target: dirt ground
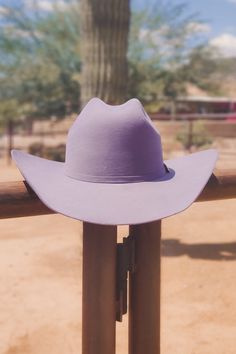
(40, 289)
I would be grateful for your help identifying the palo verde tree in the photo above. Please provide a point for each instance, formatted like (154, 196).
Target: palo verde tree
(162, 40)
(40, 58)
(39, 64)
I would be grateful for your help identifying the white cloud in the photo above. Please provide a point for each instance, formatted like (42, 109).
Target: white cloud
(3, 11)
(156, 36)
(45, 5)
(226, 44)
(145, 33)
(162, 32)
(198, 27)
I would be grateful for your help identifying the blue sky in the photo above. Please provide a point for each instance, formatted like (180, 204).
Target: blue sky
(223, 16)
(219, 17)
(219, 14)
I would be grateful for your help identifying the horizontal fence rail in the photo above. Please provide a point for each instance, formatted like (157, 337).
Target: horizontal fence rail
(193, 116)
(17, 199)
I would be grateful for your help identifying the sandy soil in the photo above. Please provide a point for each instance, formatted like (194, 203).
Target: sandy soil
(40, 289)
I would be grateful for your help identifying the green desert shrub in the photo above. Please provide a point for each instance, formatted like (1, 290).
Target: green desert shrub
(196, 137)
(56, 153)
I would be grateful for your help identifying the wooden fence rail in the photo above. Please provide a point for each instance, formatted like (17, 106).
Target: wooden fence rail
(17, 199)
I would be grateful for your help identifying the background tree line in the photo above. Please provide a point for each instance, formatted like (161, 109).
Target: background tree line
(40, 57)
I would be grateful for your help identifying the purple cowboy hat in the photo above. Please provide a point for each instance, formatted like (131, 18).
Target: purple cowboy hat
(114, 172)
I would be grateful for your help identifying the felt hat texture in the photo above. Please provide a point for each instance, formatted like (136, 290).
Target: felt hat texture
(114, 171)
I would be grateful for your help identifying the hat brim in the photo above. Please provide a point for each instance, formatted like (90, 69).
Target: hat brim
(118, 204)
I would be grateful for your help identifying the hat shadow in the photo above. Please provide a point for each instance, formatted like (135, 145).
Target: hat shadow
(211, 251)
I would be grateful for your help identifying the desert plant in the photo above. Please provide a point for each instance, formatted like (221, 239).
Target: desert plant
(194, 135)
(56, 153)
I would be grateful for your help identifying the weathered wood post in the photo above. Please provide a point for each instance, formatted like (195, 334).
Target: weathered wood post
(145, 284)
(10, 132)
(99, 289)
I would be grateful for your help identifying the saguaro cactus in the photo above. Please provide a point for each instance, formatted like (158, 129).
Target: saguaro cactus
(104, 42)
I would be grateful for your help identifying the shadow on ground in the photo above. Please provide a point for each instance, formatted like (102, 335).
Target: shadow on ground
(211, 251)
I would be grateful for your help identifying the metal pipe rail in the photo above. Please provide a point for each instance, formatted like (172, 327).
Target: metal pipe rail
(17, 199)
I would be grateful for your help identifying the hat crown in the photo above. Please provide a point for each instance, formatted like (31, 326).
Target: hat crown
(114, 144)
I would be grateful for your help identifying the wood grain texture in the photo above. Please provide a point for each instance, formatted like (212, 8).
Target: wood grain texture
(99, 289)
(17, 199)
(144, 303)
(221, 185)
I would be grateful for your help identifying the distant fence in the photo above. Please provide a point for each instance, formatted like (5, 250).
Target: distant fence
(193, 116)
(214, 125)
(221, 129)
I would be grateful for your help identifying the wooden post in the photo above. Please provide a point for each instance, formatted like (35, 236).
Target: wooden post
(144, 305)
(99, 289)
(10, 132)
(190, 134)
